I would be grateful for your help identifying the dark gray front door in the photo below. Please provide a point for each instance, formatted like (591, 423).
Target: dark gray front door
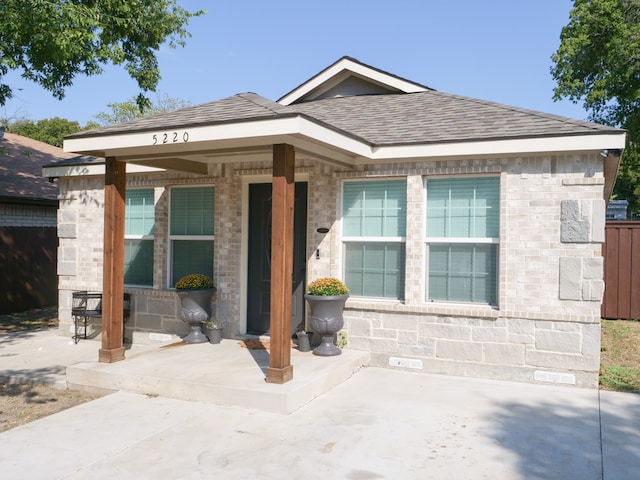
(259, 261)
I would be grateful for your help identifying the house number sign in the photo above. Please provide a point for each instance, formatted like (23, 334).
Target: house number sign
(170, 137)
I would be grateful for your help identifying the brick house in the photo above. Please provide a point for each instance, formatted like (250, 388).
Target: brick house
(469, 233)
(28, 240)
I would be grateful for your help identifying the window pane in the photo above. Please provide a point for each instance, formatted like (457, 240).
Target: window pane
(463, 207)
(375, 209)
(463, 273)
(138, 262)
(375, 269)
(192, 211)
(191, 256)
(139, 212)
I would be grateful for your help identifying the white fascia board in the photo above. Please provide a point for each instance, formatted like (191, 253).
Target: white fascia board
(559, 144)
(278, 130)
(347, 65)
(95, 169)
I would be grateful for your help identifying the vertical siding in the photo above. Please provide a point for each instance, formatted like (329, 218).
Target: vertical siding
(622, 271)
(28, 261)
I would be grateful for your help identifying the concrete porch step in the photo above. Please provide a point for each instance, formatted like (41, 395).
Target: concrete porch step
(224, 374)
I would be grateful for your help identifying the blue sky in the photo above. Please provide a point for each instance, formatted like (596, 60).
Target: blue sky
(497, 50)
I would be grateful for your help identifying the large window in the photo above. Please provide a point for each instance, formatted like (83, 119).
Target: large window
(138, 237)
(191, 231)
(463, 223)
(374, 231)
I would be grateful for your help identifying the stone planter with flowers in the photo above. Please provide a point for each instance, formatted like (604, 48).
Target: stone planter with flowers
(326, 297)
(195, 292)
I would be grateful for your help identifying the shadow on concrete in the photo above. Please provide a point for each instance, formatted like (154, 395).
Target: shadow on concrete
(33, 376)
(564, 441)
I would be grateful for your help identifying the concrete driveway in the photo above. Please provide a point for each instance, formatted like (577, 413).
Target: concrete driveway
(379, 424)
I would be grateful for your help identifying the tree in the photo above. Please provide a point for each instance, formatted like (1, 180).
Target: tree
(598, 63)
(49, 130)
(129, 110)
(53, 41)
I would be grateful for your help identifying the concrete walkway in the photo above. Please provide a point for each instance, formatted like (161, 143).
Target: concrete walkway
(380, 423)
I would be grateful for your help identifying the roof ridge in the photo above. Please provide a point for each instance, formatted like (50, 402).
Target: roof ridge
(263, 102)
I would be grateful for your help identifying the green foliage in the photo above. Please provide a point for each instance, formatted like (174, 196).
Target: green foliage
(327, 287)
(598, 63)
(49, 130)
(129, 110)
(194, 281)
(53, 41)
(621, 379)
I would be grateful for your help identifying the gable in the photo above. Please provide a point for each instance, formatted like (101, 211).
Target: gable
(349, 77)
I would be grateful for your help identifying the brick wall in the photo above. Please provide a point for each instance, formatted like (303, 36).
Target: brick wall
(546, 325)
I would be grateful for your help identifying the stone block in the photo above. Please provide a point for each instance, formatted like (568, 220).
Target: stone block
(452, 332)
(593, 268)
(66, 268)
(503, 354)
(571, 278)
(574, 227)
(147, 321)
(598, 222)
(462, 351)
(400, 322)
(591, 339)
(380, 345)
(67, 230)
(557, 341)
(593, 290)
(163, 306)
(517, 325)
(562, 361)
(407, 338)
(488, 334)
(360, 327)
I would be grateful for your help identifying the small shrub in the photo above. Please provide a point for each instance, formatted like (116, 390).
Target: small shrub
(327, 287)
(194, 281)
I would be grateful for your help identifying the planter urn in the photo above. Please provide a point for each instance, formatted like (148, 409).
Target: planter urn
(326, 320)
(195, 309)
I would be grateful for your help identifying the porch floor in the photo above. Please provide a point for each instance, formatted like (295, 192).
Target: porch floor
(224, 374)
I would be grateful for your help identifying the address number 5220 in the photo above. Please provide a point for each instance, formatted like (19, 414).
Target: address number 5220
(170, 137)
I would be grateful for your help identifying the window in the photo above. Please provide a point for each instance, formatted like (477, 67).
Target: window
(191, 231)
(374, 229)
(138, 237)
(463, 223)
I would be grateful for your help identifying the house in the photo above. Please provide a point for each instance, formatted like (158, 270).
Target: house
(28, 240)
(469, 233)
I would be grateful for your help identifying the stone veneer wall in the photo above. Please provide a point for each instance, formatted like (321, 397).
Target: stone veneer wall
(547, 324)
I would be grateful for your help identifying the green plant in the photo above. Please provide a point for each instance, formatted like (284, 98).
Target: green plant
(212, 323)
(327, 287)
(194, 281)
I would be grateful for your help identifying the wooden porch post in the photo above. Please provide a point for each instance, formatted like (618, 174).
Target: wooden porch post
(280, 369)
(113, 262)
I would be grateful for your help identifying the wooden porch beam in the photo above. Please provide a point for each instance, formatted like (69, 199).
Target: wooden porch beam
(113, 262)
(280, 369)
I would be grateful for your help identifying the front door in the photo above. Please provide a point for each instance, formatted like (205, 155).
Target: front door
(259, 261)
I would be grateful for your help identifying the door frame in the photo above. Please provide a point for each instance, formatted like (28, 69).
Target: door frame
(244, 248)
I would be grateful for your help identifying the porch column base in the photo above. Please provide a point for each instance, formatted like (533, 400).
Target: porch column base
(111, 355)
(279, 375)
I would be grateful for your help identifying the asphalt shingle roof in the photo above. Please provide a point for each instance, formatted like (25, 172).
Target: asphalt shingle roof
(21, 162)
(393, 119)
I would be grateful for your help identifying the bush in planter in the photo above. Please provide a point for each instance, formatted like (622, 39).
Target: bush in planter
(194, 281)
(195, 292)
(326, 297)
(327, 287)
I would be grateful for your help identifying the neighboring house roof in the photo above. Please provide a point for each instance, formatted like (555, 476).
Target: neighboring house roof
(21, 162)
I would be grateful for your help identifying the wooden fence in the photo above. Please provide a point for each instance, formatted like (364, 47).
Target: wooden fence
(29, 278)
(622, 270)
